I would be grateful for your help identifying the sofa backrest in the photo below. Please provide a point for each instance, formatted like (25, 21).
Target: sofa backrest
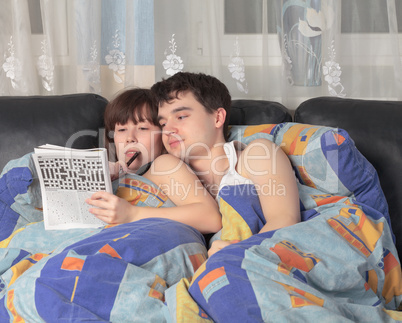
(376, 129)
(66, 120)
(75, 120)
(255, 112)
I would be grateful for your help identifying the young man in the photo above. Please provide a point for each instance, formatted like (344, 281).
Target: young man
(194, 113)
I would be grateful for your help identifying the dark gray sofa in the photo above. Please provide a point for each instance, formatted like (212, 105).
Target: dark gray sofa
(77, 120)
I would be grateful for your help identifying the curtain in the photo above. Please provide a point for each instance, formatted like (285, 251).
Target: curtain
(319, 48)
(279, 50)
(98, 46)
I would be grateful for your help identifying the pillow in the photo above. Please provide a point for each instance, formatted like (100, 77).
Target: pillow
(324, 159)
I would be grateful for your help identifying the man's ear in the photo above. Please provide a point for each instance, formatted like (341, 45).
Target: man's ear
(220, 117)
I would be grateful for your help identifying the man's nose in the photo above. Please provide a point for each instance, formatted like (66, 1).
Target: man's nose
(169, 129)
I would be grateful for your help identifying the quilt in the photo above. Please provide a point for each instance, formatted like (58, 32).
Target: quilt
(117, 273)
(339, 264)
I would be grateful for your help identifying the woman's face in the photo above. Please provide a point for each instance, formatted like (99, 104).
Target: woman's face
(143, 137)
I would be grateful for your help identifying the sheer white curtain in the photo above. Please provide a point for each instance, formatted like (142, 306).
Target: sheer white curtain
(81, 46)
(281, 50)
(319, 48)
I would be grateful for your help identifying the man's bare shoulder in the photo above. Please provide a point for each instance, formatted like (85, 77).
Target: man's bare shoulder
(261, 141)
(258, 147)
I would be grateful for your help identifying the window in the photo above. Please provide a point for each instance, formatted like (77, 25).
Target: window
(238, 13)
(35, 17)
(360, 19)
(244, 17)
(58, 14)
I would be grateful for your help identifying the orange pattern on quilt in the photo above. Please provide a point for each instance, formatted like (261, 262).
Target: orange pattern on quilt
(19, 268)
(393, 280)
(339, 139)
(349, 202)
(291, 256)
(300, 298)
(284, 268)
(72, 263)
(11, 307)
(197, 260)
(363, 235)
(154, 292)
(251, 130)
(371, 281)
(210, 277)
(123, 237)
(136, 191)
(305, 177)
(110, 225)
(323, 199)
(110, 251)
(295, 141)
(199, 271)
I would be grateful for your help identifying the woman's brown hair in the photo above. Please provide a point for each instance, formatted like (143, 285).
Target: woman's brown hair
(137, 105)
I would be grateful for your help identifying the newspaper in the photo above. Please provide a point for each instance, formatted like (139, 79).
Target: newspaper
(67, 177)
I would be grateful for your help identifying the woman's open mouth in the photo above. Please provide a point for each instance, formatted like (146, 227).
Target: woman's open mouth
(130, 153)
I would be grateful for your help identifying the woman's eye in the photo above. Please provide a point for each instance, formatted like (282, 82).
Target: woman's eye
(144, 128)
(162, 125)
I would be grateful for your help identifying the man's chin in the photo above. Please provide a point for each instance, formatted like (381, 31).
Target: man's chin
(175, 153)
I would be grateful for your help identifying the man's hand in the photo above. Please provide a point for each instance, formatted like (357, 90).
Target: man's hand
(220, 244)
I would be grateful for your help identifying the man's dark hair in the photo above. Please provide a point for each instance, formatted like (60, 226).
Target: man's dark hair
(207, 90)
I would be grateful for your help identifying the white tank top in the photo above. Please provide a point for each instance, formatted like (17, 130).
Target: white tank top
(232, 177)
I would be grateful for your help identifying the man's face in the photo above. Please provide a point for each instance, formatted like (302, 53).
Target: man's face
(188, 129)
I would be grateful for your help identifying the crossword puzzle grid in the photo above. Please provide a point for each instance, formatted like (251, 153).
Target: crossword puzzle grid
(80, 174)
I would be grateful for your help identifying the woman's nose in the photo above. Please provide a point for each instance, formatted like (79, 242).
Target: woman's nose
(131, 137)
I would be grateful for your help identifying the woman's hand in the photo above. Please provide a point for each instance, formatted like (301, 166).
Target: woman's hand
(112, 209)
(218, 245)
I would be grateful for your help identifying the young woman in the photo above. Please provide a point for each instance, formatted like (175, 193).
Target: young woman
(131, 119)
